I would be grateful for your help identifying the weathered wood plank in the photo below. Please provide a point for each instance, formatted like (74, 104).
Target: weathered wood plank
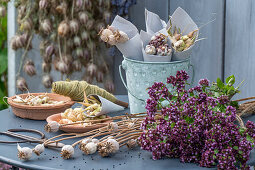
(207, 54)
(239, 48)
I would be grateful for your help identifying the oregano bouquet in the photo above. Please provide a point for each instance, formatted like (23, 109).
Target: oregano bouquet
(197, 125)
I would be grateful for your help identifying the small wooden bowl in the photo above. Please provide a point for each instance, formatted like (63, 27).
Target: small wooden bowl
(39, 112)
(76, 128)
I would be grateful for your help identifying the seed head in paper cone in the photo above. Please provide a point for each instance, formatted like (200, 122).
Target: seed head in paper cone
(96, 105)
(183, 33)
(125, 36)
(153, 22)
(156, 47)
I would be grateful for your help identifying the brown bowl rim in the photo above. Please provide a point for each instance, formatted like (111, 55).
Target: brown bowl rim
(67, 101)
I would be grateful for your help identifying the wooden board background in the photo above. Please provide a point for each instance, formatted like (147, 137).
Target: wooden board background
(228, 48)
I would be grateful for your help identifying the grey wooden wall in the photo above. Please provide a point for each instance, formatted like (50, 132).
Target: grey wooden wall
(228, 49)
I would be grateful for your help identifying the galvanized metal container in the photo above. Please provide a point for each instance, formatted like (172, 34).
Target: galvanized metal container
(140, 75)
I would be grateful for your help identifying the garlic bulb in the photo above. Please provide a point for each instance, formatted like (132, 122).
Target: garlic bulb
(178, 43)
(77, 41)
(52, 126)
(121, 37)
(67, 151)
(49, 51)
(38, 149)
(112, 40)
(105, 33)
(90, 148)
(150, 49)
(24, 153)
(29, 68)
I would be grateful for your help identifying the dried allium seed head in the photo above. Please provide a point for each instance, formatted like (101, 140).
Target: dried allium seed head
(46, 67)
(74, 26)
(70, 43)
(77, 65)
(27, 25)
(62, 67)
(38, 149)
(24, 153)
(52, 126)
(13, 43)
(131, 143)
(107, 16)
(46, 26)
(43, 4)
(77, 41)
(63, 29)
(92, 69)
(21, 84)
(83, 18)
(99, 76)
(62, 8)
(67, 151)
(89, 24)
(79, 52)
(78, 4)
(49, 51)
(29, 68)
(84, 36)
(25, 37)
(99, 26)
(20, 42)
(47, 81)
(109, 85)
(2, 11)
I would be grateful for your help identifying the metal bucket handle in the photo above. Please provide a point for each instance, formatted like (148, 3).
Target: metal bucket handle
(124, 83)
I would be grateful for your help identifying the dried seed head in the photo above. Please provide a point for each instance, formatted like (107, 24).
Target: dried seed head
(29, 68)
(115, 145)
(84, 36)
(62, 8)
(83, 143)
(103, 152)
(107, 16)
(52, 126)
(77, 41)
(90, 148)
(92, 69)
(24, 153)
(89, 24)
(46, 26)
(109, 85)
(78, 4)
(21, 84)
(13, 43)
(62, 67)
(77, 65)
(99, 26)
(19, 41)
(99, 76)
(79, 52)
(43, 4)
(47, 81)
(27, 25)
(63, 29)
(38, 149)
(67, 151)
(83, 18)
(46, 67)
(2, 11)
(74, 26)
(113, 127)
(49, 51)
(131, 143)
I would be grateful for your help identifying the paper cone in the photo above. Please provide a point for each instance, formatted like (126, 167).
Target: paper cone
(146, 37)
(107, 106)
(133, 47)
(182, 20)
(153, 22)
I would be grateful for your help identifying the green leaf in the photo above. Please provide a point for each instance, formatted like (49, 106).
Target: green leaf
(214, 157)
(220, 84)
(249, 138)
(241, 130)
(235, 147)
(230, 80)
(172, 124)
(166, 117)
(189, 120)
(3, 61)
(216, 151)
(240, 152)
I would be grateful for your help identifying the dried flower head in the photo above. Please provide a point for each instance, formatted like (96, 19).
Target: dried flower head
(47, 81)
(67, 151)
(131, 125)
(92, 69)
(46, 26)
(103, 152)
(24, 153)
(63, 29)
(112, 127)
(29, 68)
(83, 143)
(90, 148)
(2, 11)
(83, 18)
(52, 126)
(74, 26)
(43, 4)
(46, 67)
(114, 143)
(131, 143)
(38, 149)
(21, 84)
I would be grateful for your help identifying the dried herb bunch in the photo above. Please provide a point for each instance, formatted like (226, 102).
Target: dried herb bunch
(68, 38)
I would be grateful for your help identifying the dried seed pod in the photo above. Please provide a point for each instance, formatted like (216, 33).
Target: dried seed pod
(46, 26)
(2, 11)
(88, 4)
(79, 52)
(74, 26)
(89, 24)
(92, 69)
(83, 18)
(67, 151)
(38, 149)
(109, 85)
(107, 16)
(13, 43)
(78, 4)
(27, 25)
(29, 68)
(21, 84)
(52, 126)
(86, 54)
(99, 26)
(24, 153)
(77, 41)
(49, 51)
(20, 42)
(99, 76)
(131, 143)
(62, 8)
(84, 36)
(46, 67)
(47, 81)
(62, 67)
(63, 29)
(43, 4)
(77, 65)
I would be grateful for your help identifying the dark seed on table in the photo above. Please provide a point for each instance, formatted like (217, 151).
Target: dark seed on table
(50, 159)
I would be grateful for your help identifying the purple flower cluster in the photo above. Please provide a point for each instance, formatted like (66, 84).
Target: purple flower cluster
(195, 126)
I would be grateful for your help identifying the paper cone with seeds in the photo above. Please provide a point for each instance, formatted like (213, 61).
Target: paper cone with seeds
(182, 23)
(133, 47)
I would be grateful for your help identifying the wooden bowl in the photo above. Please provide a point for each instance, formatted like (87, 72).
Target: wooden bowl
(40, 112)
(76, 128)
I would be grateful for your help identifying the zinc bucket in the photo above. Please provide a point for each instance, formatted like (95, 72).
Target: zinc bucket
(140, 75)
